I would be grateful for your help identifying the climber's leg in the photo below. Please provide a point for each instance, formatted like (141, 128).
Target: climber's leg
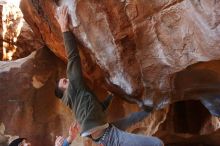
(115, 137)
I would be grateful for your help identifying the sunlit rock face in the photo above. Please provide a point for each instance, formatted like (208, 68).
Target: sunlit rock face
(3, 138)
(28, 40)
(162, 51)
(1, 30)
(16, 33)
(138, 45)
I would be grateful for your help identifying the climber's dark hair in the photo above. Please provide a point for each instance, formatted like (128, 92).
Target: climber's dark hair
(58, 91)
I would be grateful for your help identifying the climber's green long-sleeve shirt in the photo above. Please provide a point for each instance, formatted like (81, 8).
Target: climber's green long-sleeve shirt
(88, 111)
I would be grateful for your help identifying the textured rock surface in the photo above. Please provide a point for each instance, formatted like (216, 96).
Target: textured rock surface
(23, 39)
(189, 123)
(27, 42)
(138, 45)
(142, 49)
(1, 31)
(27, 99)
(3, 138)
(160, 50)
(28, 107)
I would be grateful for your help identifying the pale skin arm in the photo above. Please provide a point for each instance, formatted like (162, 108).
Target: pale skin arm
(62, 18)
(74, 69)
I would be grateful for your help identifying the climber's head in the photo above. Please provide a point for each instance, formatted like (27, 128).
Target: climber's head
(61, 86)
(20, 142)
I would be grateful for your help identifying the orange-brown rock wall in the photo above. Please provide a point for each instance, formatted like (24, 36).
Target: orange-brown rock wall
(138, 45)
(28, 105)
(161, 51)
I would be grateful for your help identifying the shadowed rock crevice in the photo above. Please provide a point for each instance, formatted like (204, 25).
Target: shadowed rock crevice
(189, 123)
(199, 82)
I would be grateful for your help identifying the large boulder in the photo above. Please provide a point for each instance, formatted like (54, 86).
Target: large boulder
(160, 51)
(138, 45)
(27, 86)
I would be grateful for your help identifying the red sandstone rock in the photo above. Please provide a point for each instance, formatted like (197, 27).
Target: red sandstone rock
(17, 33)
(27, 42)
(139, 45)
(189, 123)
(30, 109)
(142, 49)
(28, 105)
